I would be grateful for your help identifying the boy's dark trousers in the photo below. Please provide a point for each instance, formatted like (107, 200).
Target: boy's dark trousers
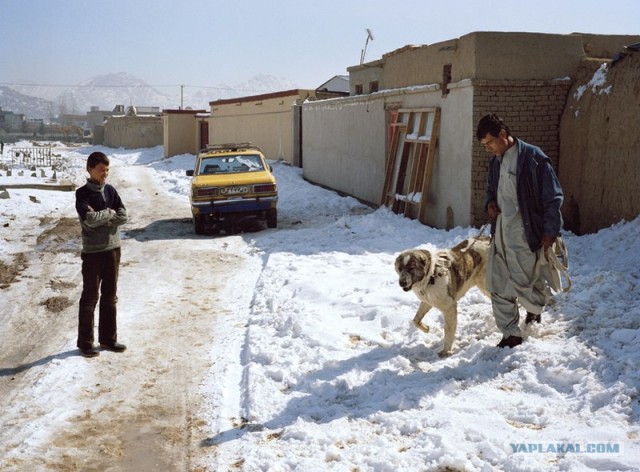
(100, 280)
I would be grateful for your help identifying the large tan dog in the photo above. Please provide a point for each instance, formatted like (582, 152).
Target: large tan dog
(441, 279)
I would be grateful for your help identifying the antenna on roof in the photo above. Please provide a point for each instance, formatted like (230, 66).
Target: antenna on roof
(364, 51)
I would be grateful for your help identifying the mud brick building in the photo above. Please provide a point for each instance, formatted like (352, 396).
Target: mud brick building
(359, 145)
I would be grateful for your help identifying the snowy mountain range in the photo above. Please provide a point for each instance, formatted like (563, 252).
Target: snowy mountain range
(107, 91)
(30, 106)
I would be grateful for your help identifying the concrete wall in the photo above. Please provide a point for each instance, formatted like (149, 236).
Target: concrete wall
(180, 132)
(132, 132)
(264, 120)
(600, 148)
(343, 145)
(451, 192)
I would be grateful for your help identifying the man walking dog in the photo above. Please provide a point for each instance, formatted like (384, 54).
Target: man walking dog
(523, 200)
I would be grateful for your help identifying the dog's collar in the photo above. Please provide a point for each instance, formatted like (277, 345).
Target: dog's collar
(432, 279)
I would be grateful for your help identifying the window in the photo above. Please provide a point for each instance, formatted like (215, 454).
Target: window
(359, 89)
(373, 86)
(230, 164)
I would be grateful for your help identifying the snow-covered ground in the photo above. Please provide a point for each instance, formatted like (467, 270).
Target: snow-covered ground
(313, 363)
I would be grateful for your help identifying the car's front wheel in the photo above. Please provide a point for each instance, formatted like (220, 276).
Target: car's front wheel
(198, 224)
(272, 218)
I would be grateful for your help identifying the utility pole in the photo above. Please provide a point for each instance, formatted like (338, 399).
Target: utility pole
(182, 97)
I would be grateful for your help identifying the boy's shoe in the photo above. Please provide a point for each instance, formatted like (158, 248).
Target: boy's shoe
(531, 317)
(511, 341)
(91, 352)
(115, 347)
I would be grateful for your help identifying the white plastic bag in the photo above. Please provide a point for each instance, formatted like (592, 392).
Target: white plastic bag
(555, 266)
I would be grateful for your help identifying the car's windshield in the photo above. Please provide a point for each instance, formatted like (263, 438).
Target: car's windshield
(230, 164)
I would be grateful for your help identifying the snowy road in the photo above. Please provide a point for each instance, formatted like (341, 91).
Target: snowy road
(131, 411)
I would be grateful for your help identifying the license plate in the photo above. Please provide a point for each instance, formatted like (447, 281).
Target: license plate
(234, 190)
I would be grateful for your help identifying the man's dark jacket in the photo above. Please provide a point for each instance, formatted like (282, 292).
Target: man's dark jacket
(539, 193)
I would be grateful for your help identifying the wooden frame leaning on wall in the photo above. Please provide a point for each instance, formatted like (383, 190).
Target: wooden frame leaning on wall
(413, 139)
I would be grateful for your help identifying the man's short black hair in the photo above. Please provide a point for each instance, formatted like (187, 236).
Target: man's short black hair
(491, 124)
(96, 158)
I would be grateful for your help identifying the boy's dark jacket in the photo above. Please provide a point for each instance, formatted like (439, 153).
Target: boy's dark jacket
(539, 193)
(101, 212)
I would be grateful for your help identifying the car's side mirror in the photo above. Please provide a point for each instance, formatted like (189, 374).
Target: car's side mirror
(270, 168)
(190, 173)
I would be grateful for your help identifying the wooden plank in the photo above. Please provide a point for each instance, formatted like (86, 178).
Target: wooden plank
(429, 168)
(413, 176)
(391, 158)
(421, 153)
(402, 170)
(418, 110)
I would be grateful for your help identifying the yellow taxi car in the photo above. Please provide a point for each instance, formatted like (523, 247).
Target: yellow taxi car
(231, 181)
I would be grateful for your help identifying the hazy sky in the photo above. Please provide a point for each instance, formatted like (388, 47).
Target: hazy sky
(208, 43)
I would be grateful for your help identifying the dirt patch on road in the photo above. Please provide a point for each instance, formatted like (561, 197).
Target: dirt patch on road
(10, 272)
(57, 304)
(63, 235)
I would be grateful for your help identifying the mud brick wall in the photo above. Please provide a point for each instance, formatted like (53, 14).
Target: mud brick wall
(600, 147)
(532, 109)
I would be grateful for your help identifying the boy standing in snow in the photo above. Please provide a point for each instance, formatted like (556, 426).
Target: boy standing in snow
(101, 212)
